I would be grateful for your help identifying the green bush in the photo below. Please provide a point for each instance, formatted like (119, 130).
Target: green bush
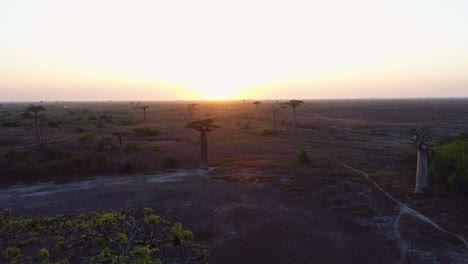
(79, 130)
(129, 235)
(449, 166)
(145, 131)
(302, 156)
(106, 143)
(51, 152)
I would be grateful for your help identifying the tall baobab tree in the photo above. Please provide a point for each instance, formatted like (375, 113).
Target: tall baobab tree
(256, 103)
(83, 139)
(120, 135)
(36, 109)
(144, 111)
(274, 110)
(190, 110)
(420, 140)
(294, 104)
(203, 126)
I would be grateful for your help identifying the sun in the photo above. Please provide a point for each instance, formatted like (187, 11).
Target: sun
(212, 90)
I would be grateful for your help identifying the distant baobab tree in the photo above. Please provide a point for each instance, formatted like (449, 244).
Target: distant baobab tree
(83, 139)
(294, 104)
(274, 110)
(256, 103)
(203, 126)
(144, 111)
(36, 109)
(190, 110)
(420, 140)
(120, 135)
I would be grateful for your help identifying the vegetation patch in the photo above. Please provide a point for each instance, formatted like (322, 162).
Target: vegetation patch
(449, 165)
(129, 235)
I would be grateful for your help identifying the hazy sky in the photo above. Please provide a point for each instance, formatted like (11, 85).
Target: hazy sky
(159, 50)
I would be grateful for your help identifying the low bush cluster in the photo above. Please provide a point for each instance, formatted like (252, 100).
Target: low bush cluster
(129, 235)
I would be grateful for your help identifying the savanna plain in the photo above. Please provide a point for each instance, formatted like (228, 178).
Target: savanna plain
(335, 186)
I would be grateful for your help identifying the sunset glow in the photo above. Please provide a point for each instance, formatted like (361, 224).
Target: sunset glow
(170, 50)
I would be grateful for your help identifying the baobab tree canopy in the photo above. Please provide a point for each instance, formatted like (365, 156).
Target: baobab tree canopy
(205, 125)
(35, 108)
(294, 103)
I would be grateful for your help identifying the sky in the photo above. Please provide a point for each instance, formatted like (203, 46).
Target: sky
(187, 50)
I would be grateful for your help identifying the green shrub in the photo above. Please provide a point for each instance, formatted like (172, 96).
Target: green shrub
(449, 166)
(51, 152)
(79, 130)
(100, 124)
(128, 235)
(247, 125)
(302, 156)
(145, 131)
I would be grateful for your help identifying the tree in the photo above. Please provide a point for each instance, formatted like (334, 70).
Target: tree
(256, 103)
(120, 135)
(203, 126)
(294, 104)
(190, 110)
(144, 111)
(274, 110)
(83, 139)
(420, 140)
(36, 109)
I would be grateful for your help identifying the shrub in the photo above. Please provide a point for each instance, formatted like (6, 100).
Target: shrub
(79, 130)
(302, 156)
(145, 131)
(128, 235)
(51, 152)
(247, 125)
(449, 166)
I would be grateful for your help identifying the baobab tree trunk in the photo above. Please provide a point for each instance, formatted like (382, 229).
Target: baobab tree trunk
(204, 150)
(122, 154)
(294, 116)
(274, 120)
(144, 114)
(36, 125)
(422, 178)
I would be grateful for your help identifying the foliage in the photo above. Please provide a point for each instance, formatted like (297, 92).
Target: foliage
(268, 132)
(205, 125)
(145, 131)
(51, 152)
(129, 235)
(21, 162)
(132, 146)
(302, 156)
(79, 130)
(449, 166)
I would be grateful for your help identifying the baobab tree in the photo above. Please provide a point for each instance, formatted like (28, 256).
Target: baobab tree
(83, 139)
(294, 104)
(190, 110)
(274, 110)
(120, 135)
(144, 111)
(203, 126)
(256, 103)
(36, 109)
(420, 140)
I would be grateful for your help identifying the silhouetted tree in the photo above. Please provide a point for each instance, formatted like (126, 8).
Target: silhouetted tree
(144, 111)
(274, 110)
(120, 135)
(420, 140)
(190, 110)
(203, 126)
(294, 104)
(36, 109)
(256, 103)
(83, 139)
